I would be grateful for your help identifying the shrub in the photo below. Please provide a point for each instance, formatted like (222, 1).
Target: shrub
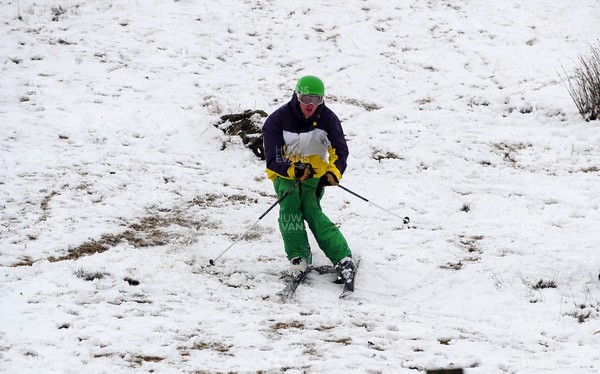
(584, 84)
(89, 275)
(542, 284)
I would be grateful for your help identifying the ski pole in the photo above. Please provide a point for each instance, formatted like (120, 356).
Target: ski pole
(405, 220)
(212, 261)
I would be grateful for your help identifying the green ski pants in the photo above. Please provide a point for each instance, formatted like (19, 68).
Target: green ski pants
(302, 205)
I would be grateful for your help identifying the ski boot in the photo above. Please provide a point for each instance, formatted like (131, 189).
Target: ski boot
(346, 270)
(298, 267)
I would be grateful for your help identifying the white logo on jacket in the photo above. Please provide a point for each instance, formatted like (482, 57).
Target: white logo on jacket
(299, 145)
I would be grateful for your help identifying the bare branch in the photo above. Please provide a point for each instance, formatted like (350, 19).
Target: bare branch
(584, 84)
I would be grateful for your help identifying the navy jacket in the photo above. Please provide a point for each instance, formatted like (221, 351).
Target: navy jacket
(289, 137)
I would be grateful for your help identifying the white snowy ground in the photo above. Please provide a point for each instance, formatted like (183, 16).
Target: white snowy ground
(455, 115)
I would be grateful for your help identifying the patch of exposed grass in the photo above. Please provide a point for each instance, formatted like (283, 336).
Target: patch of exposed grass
(89, 275)
(288, 325)
(214, 200)
(325, 328)
(453, 265)
(470, 243)
(510, 151)
(381, 155)
(85, 249)
(24, 261)
(344, 341)
(585, 311)
(140, 359)
(543, 284)
(218, 347)
(149, 231)
(131, 281)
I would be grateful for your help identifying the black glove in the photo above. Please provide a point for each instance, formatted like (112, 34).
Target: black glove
(303, 171)
(328, 179)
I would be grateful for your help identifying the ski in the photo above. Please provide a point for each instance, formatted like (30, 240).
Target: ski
(349, 286)
(292, 285)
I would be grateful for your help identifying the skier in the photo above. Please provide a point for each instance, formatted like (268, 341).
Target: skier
(304, 141)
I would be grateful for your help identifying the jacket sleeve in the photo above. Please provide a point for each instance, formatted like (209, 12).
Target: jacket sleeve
(338, 154)
(275, 146)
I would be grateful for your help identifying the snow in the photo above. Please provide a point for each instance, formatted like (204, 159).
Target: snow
(455, 115)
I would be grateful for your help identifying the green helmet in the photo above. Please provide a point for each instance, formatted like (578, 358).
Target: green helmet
(310, 85)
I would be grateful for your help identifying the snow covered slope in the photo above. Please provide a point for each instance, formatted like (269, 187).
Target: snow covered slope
(116, 189)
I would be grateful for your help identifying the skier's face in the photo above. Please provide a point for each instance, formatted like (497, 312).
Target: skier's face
(308, 109)
(309, 103)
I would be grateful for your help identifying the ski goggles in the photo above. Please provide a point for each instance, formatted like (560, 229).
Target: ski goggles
(315, 100)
